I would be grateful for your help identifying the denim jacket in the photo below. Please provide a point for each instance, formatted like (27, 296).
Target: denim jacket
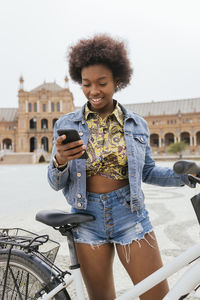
(141, 166)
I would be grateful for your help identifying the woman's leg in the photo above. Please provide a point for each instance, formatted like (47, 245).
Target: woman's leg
(96, 267)
(144, 260)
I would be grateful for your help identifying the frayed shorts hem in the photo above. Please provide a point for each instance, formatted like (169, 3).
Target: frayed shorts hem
(112, 241)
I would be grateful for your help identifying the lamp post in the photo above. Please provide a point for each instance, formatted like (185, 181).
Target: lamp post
(180, 118)
(35, 127)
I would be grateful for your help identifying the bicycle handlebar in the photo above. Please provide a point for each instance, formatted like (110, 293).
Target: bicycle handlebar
(186, 167)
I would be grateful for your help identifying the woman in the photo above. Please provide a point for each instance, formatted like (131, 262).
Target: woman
(108, 183)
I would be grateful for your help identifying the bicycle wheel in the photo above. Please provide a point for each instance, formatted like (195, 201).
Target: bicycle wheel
(27, 274)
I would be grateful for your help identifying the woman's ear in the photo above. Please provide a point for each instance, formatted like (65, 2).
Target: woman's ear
(117, 84)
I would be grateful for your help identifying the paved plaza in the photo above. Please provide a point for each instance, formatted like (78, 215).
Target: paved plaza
(24, 191)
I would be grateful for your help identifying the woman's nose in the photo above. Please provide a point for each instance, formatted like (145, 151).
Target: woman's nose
(94, 91)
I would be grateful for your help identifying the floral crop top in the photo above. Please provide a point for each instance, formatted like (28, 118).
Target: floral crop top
(106, 146)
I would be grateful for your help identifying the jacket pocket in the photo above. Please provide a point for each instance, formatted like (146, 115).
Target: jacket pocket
(139, 145)
(141, 139)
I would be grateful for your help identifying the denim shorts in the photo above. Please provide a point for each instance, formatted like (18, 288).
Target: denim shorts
(114, 222)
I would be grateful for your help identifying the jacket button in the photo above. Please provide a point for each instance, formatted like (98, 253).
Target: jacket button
(78, 174)
(79, 204)
(81, 133)
(79, 196)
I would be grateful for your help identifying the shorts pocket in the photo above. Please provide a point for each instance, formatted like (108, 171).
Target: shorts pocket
(126, 200)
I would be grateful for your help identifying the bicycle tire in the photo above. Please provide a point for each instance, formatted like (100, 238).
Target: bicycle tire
(31, 275)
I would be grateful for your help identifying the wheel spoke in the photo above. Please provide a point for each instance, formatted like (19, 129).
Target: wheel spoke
(20, 284)
(15, 283)
(26, 277)
(27, 283)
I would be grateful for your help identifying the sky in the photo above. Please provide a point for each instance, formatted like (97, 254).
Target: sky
(162, 38)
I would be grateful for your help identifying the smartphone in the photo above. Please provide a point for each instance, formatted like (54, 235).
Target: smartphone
(72, 135)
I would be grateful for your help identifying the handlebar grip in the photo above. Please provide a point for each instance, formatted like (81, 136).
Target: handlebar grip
(186, 167)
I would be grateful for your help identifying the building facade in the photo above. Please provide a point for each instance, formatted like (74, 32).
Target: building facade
(170, 122)
(30, 126)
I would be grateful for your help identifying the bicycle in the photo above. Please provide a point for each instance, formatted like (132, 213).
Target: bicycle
(28, 272)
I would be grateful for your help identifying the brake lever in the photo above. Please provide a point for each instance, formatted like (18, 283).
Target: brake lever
(193, 179)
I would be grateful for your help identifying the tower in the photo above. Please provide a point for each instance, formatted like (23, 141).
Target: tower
(21, 81)
(66, 82)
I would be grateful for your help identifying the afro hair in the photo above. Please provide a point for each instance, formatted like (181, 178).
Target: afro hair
(100, 49)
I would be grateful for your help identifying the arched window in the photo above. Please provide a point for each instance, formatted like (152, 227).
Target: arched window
(185, 137)
(7, 144)
(44, 123)
(54, 121)
(45, 143)
(198, 137)
(169, 138)
(154, 140)
(33, 123)
(33, 144)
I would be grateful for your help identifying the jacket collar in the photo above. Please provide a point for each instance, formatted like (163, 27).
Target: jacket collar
(117, 112)
(80, 114)
(128, 114)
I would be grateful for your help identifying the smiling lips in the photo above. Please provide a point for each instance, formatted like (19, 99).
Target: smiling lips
(96, 100)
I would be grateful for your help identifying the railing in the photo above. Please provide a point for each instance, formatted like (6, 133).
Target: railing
(41, 152)
(3, 152)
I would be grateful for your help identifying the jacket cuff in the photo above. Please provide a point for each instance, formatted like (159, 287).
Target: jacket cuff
(56, 170)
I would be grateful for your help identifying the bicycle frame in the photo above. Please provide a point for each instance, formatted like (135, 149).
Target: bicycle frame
(77, 278)
(188, 281)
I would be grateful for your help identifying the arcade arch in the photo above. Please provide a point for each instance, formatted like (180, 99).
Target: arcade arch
(198, 138)
(7, 143)
(185, 137)
(154, 140)
(169, 138)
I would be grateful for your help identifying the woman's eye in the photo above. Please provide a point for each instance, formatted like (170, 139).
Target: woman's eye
(102, 84)
(86, 85)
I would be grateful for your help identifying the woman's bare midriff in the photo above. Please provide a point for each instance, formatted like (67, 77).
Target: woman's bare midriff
(100, 184)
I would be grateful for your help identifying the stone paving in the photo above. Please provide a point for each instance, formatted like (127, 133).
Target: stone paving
(24, 191)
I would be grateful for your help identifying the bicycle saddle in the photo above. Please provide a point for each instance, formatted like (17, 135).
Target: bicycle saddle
(57, 218)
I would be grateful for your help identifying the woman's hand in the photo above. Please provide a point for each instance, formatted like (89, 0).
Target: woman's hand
(65, 152)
